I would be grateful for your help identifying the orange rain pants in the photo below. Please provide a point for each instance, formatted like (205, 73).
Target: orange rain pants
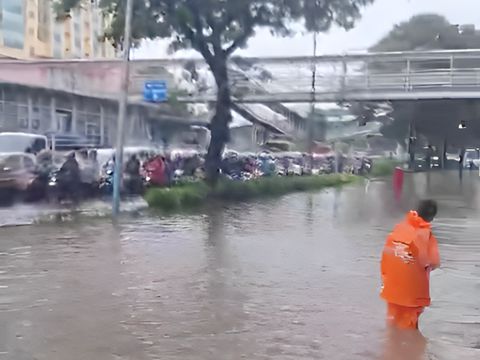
(403, 317)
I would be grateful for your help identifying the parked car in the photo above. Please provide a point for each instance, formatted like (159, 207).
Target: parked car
(471, 159)
(17, 175)
(18, 142)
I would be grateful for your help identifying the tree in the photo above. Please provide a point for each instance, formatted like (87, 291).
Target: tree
(421, 32)
(216, 28)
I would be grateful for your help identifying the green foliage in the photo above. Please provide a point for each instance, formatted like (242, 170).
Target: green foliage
(62, 7)
(178, 197)
(427, 32)
(275, 186)
(173, 96)
(384, 167)
(191, 195)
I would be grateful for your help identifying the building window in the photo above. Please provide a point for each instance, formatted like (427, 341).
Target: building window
(43, 9)
(43, 33)
(57, 46)
(23, 123)
(36, 124)
(13, 6)
(22, 116)
(11, 42)
(12, 23)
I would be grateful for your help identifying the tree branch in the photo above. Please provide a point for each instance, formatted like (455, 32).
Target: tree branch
(216, 30)
(194, 35)
(200, 40)
(239, 41)
(248, 25)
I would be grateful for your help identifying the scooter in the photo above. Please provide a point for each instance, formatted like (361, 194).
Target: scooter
(58, 190)
(106, 183)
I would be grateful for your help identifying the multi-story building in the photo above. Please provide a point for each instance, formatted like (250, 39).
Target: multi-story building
(31, 29)
(78, 97)
(67, 97)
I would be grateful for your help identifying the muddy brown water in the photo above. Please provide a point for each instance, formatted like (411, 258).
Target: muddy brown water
(289, 278)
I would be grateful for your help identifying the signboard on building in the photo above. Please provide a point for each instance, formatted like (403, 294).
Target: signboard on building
(155, 91)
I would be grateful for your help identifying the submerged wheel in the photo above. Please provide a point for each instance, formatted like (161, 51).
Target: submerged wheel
(7, 197)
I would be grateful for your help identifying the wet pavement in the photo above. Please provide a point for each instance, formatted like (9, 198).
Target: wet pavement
(289, 278)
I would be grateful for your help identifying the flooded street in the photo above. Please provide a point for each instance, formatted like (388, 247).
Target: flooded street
(289, 278)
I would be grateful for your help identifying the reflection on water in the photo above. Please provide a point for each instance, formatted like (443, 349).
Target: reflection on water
(28, 214)
(291, 278)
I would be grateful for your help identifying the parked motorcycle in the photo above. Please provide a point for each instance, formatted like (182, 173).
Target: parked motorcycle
(60, 188)
(106, 183)
(366, 167)
(240, 176)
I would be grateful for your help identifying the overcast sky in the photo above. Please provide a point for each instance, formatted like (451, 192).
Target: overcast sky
(376, 21)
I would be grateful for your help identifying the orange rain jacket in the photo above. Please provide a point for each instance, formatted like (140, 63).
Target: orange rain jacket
(410, 253)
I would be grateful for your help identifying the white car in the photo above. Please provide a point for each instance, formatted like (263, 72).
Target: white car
(471, 156)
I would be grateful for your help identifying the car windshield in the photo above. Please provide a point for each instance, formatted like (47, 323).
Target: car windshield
(17, 143)
(471, 154)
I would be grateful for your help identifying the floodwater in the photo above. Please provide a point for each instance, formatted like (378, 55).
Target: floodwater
(289, 278)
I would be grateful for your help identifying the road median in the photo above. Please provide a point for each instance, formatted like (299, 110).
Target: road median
(191, 195)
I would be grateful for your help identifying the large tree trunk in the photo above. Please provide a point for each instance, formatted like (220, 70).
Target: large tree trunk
(219, 123)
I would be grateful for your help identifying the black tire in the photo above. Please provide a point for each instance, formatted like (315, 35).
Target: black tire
(7, 197)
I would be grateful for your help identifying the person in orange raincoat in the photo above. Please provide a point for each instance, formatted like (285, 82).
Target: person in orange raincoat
(409, 255)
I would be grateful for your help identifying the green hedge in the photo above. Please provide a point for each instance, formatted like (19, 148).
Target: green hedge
(384, 167)
(187, 196)
(182, 196)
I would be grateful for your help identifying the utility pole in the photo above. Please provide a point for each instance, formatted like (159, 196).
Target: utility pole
(122, 110)
(412, 143)
(311, 123)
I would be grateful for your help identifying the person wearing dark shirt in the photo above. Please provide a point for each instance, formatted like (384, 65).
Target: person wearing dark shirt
(133, 166)
(69, 176)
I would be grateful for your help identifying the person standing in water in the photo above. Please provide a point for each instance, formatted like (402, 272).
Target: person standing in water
(409, 255)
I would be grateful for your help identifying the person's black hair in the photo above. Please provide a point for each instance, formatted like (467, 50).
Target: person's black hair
(427, 209)
(83, 153)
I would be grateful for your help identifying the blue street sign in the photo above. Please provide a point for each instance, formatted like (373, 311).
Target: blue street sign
(155, 91)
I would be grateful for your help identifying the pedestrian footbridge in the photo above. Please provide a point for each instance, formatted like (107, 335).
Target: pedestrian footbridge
(266, 89)
(362, 77)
